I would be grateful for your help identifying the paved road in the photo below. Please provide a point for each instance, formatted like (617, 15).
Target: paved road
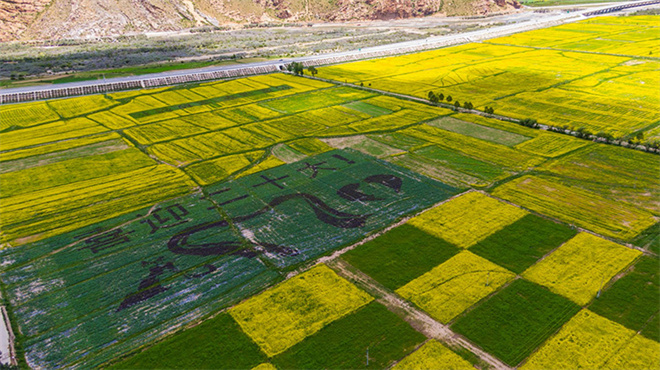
(544, 21)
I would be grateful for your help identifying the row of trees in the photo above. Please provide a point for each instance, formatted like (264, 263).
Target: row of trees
(299, 69)
(436, 98)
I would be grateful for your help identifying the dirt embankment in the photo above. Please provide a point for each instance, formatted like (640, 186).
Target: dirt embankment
(57, 19)
(17, 15)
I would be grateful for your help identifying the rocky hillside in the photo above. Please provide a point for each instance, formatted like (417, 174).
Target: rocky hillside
(49, 19)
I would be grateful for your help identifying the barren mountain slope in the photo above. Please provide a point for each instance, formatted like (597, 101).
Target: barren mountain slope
(36, 19)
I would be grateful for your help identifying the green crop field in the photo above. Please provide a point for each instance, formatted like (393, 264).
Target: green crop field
(400, 255)
(216, 343)
(633, 300)
(521, 244)
(515, 321)
(223, 224)
(343, 344)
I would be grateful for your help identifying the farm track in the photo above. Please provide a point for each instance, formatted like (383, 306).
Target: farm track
(418, 319)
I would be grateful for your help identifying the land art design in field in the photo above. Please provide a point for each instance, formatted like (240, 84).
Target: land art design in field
(166, 265)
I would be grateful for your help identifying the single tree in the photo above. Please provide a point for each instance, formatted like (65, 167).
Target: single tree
(457, 104)
(449, 99)
(441, 97)
(312, 70)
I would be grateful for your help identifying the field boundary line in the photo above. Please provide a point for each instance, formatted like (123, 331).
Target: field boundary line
(559, 130)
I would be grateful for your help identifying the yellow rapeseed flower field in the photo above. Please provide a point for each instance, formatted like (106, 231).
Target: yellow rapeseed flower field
(551, 145)
(640, 354)
(580, 267)
(576, 206)
(433, 355)
(455, 285)
(587, 341)
(468, 219)
(26, 115)
(299, 307)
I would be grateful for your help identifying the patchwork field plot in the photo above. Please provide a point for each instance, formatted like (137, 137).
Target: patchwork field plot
(343, 343)
(455, 285)
(400, 255)
(579, 268)
(516, 320)
(633, 300)
(586, 74)
(468, 219)
(285, 315)
(153, 270)
(433, 355)
(590, 341)
(519, 245)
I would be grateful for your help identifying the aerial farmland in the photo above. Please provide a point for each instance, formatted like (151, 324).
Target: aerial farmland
(489, 205)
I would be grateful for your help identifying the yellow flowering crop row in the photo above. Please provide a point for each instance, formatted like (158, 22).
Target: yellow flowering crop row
(133, 93)
(72, 107)
(628, 176)
(455, 285)
(163, 131)
(468, 219)
(581, 267)
(579, 109)
(587, 341)
(35, 216)
(112, 121)
(576, 206)
(214, 170)
(297, 308)
(551, 145)
(179, 96)
(392, 121)
(48, 133)
(267, 163)
(57, 146)
(216, 120)
(26, 115)
(603, 35)
(537, 83)
(433, 355)
(209, 145)
(640, 353)
(255, 112)
(59, 173)
(333, 116)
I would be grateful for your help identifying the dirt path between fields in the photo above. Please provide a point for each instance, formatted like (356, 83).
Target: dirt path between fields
(418, 319)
